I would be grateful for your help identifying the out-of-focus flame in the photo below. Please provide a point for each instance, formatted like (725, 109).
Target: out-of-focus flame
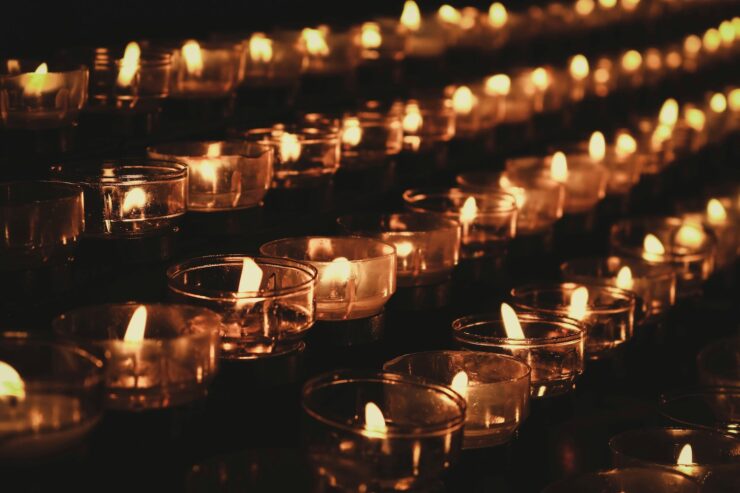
(540, 78)
(631, 61)
(716, 212)
(134, 199)
(290, 147)
(193, 56)
(411, 16)
(129, 64)
(711, 40)
(608, 4)
(14, 66)
(314, 42)
(460, 383)
(652, 248)
(624, 278)
(584, 7)
(498, 85)
(630, 5)
(686, 456)
(11, 383)
(718, 102)
(512, 326)
(653, 59)
(692, 44)
(404, 248)
(497, 15)
(412, 119)
(695, 119)
(668, 115)
(578, 307)
(727, 33)
(449, 14)
(136, 326)
(661, 134)
(625, 146)
(733, 99)
(597, 147)
(351, 131)
(468, 211)
(250, 279)
(673, 59)
(463, 100)
(370, 37)
(375, 421)
(260, 48)
(579, 68)
(37, 81)
(338, 270)
(690, 236)
(559, 167)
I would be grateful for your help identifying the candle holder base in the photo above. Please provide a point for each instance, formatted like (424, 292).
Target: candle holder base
(344, 333)
(418, 298)
(136, 250)
(283, 366)
(222, 223)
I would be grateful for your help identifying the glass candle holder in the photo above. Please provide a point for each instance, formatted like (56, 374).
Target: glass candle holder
(356, 276)
(539, 200)
(36, 95)
(654, 284)
(380, 431)
(716, 409)
(426, 123)
(427, 246)
(156, 355)
(266, 303)
(370, 137)
(205, 70)
(51, 398)
(552, 346)
(381, 50)
(723, 220)
(303, 153)
(628, 480)
(719, 363)
(487, 221)
(689, 249)
(624, 164)
(223, 175)
(695, 453)
(606, 313)
(584, 181)
(130, 198)
(495, 388)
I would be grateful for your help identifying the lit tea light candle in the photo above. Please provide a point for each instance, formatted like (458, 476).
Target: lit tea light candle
(381, 442)
(495, 387)
(497, 15)
(50, 398)
(371, 137)
(631, 68)
(551, 345)
(205, 70)
(465, 104)
(716, 218)
(579, 71)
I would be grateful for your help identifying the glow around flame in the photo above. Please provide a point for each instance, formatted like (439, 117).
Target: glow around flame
(193, 56)
(260, 48)
(559, 167)
(733, 99)
(11, 383)
(716, 212)
(370, 37)
(692, 44)
(411, 16)
(404, 248)
(608, 4)
(711, 40)
(689, 236)
(351, 131)
(668, 115)
(624, 278)
(718, 102)
(695, 119)
(498, 85)
(497, 15)
(460, 383)
(290, 147)
(540, 78)
(129, 64)
(625, 146)
(661, 134)
(314, 42)
(597, 147)
(468, 211)
(631, 61)
(136, 326)
(463, 100)
(37, 81)
(727, 33)
(512, 326)
(374, 420)
(449, 14)
(134, 199)
(630, 5)
(250, 279)
(686, 456)
(578, 307)
(579, 68)
(338, 270)
(584, 7)
(412, 119)
(652, 247)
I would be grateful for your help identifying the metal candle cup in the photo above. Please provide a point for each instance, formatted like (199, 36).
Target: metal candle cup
(427, 246)
(356, 275)
(629, 480)
(262, 315)
(719, 363)
(607, 314)
(52, 397)
(171, 364)
(370, 137)
(552, 346)
(695, 453)
(488, 221)
(381, 431)
(495, 387)
(223, 175)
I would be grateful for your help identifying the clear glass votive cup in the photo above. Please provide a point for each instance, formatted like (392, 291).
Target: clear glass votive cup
(495, 387)
(380, 431)
(663, 447)
(205, 69)
(129, 198)
(356, 275)
(371, 136)
(426, 122)
(222, 175)
(654, 284)
(36, 95)
(52, 397)
(689, 251)
(553, 347)
(171, 364)
(607, 316)
(709, 408)
(263, 301)
(719, 363)
(628, 480)
(487, 220)
(427, 246)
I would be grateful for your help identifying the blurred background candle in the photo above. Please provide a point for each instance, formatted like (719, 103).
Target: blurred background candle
(382, 49)
(724, 223)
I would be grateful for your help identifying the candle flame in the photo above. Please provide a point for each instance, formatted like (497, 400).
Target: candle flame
(716, 212)
(578, 303)
(692, 44)
(404, 248)
(695, 119)
(652, 247)
(374, 419)
(448, 13)
(460, 383)
(463, 100)
(351, 131)
(585, 7)
(338, 270)
(718, 102)
(653, 59)
(11, 383)
(631, 60)
(711, 40)
(625, 145)
(608, 4)
(498, 85)
(315, 42)
(411, 16)
(559, 167)
(497, 15)
(370, 37)
(668, 115)
(540, 78)
(727, 33)
(734, 100)
(37, 81)
(624, 278)
(512, 326)
(689, 236)
(686, 456)
(468, 211)
(250, 279)
(579, 68)
(193, 56)
(290, 147)
(136, 326)
(260, 48)
(134, 199)
(673, 59)
(129, 64)
(412, 119)
(597, 146)
(661, 134)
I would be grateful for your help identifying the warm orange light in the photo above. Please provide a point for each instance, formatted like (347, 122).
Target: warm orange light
(625, 145)
(36, 81)
(412, 119)
(375, 421)
(686, 456)
(673, 59)
(193, 56)
(668, 115)
(14, 66)
(468, 211)
(624, 278)
(652, 248)
(597, 147)
(463, 100)
(449, 14)
(136, 326)
(578, 307)
(314, 42)
(290, 147)
(695, 119)
(608, 4)
(631, 60)
(404, 248)
(559, 167)
(692, 44)
(498, 85)
(716, 212)
(630, 5)
(260, 48)
(351, 131)
(512, 326)
(497, 15)
(11, 383)
(411, 16)
(733, 99)
(134, 199)
(711, 40)
(540, 78)
(460, 383)
(250, 279)
(727, 33)
(339, 270)
(653, 59)
(689, 236)
(585, 7)
(661, 134)
(579, 68)
(370, 37)
(129, 64)
(718, 102)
